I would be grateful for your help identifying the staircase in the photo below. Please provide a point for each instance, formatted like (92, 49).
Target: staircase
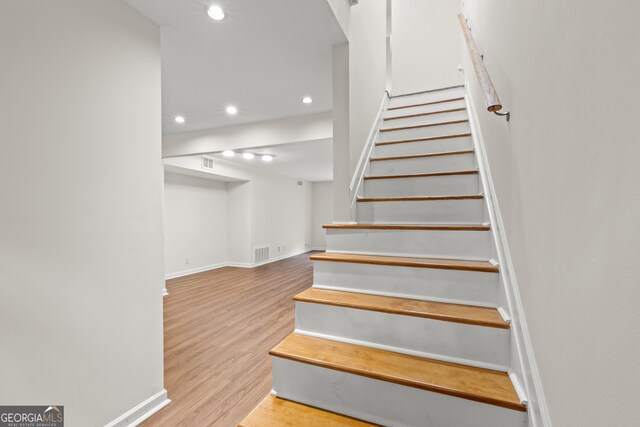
(403, 325)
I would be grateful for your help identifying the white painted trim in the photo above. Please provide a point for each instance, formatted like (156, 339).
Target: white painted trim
(319, 248)
(434, 356)
(165, 292)
(258, 264)
(400, 95)
(409, 296)
(194, 270)
(358, 174)
(142, 411)
(538, 410)
(519, 390)
(232, 264)
(503, 313)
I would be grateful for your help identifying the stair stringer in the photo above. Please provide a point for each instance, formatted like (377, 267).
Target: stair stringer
(523, 364)
(356, 187)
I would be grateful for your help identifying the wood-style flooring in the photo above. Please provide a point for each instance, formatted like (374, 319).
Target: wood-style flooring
(218, 329)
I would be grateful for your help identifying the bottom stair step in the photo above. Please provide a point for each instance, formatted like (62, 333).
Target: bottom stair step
(274, 412)
(466, 382)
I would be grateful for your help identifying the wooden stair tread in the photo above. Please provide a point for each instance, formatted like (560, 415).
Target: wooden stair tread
(442, 101)
(422, 175)
(457, 313)
(467, 382)
(430, 138)
(418, 198)
(450, 122)
(443, 264)
(276, 412)
(419, 227)
(417, 156)
(453, 110)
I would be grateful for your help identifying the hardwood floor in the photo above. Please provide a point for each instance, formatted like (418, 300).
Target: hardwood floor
(218, 329)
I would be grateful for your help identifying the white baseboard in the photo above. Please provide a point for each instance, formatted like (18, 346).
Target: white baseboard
(258, 264)
(319, 248)
(538, 409)
(194, 270)
(142, 411)
(165, 292)
(232, 264)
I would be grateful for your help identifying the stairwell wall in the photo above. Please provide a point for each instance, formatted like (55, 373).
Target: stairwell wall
(359, 82)
(425, 45)
(563, 170)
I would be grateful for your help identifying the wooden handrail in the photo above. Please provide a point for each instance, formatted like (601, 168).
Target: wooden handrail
(488, 90)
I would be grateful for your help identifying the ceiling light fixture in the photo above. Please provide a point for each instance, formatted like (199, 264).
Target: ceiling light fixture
(248, 156)
(307, 100)
(232, 110)
(179, 119)
(228, 153)
(216, 13)
(267, 157)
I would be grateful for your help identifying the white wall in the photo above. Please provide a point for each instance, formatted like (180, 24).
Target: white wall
(367, 72)
(342, 11)
(81, 244)
(322, 213)
(359, 82)
(266, 209)
(425, 45)
(195, 223)
(565, 170)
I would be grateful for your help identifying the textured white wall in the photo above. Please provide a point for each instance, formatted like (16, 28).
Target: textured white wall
(322, 213)
(195, 223)
(565, 170)
(81, 243)
(425, 45)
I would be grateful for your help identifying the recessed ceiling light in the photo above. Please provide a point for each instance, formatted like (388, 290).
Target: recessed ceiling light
(215, 12)
(228, 153)
(179, 119)
(307, 100)
(267, 157)
(231, 110)
(248, 156)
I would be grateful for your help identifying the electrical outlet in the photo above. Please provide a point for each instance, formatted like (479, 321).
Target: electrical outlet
(278, 248)
(186, 260)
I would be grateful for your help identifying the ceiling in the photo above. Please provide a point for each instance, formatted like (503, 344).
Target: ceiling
(309, 161)
(263, 58)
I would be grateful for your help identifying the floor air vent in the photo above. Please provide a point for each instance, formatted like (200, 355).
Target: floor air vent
(261, 254)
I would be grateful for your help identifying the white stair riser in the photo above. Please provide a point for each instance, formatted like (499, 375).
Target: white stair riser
(424, 132)
(425, 109)
(448, 163)
(421, 98)
(464, 287)
(418, 243)
(466, 211)
(467, 344)
(447, 185)
(383, 402)
(423, 120)
(424, 147)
